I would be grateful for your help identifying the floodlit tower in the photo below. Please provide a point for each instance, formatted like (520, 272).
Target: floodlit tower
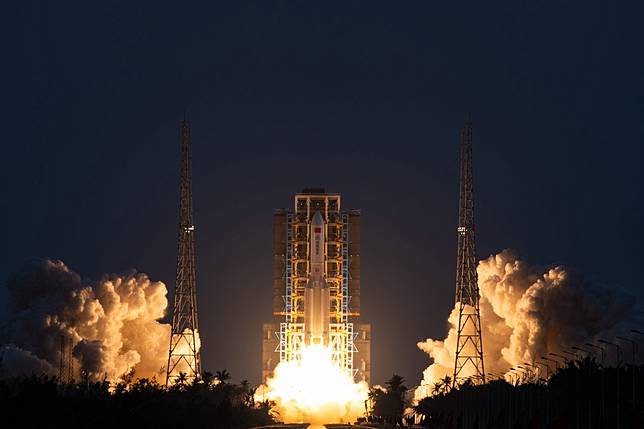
(468, 362)
(184, 356)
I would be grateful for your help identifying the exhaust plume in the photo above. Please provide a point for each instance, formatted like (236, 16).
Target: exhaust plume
(528, 312)
(314, 390)
(113, 324)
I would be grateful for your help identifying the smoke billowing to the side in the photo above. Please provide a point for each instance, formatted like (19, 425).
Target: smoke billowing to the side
(112, 325)
(529, 311)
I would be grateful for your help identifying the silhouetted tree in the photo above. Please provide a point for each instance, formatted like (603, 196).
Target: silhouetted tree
(437, 389)
(222, 376)
(388, 404)
(207, 377)
(182, 379)
(447, 384)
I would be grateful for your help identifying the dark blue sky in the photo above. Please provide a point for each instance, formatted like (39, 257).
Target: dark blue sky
(362, 98)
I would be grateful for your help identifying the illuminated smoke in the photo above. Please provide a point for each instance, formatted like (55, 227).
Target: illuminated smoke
(22, 362)
(314, 390)
(113, 324)
(528, 312)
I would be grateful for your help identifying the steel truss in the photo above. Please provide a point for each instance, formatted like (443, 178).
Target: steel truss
(468, 363)
(291, 333)
(184, 360)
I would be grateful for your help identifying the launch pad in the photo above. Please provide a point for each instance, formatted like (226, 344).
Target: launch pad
(316, 285)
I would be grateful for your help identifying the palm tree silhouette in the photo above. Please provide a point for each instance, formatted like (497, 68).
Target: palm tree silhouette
(222, 376)
(182, 378)
(447, 384)
(395, 384)
(207, 377)
(437, 389)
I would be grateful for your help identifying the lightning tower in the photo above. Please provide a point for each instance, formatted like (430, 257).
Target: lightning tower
(66, 367)
(468, 363)
(184, 357)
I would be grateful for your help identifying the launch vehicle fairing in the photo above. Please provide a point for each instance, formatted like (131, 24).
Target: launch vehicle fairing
(316, 295)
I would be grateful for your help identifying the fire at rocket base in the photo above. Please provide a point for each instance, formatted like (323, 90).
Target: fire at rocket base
(314, 381)
(316, 295)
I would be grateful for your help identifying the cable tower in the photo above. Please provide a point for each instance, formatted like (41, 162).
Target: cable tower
(184, 357)
(468, 363)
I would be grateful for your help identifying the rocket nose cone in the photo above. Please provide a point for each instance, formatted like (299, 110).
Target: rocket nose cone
(317, 219)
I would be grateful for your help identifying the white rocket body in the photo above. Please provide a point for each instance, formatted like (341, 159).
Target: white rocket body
(316, 295)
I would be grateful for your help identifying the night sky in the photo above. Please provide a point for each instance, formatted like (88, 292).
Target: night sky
(362, 98)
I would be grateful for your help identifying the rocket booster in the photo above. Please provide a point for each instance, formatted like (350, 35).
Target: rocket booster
(316, 295)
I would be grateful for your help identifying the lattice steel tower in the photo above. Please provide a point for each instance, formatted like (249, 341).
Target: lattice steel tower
(66, 367)
(468, 363)
(184, 356)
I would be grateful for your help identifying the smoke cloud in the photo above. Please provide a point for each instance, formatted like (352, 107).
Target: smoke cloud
(112, 325)
(529, 311)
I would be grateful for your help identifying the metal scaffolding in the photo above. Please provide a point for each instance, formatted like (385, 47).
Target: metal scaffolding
(468, 363)
(297, 272)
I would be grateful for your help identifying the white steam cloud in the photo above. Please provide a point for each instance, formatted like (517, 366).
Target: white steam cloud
(113, 324)
(528, 312)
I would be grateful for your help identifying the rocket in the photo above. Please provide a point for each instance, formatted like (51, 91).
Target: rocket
(316, 295)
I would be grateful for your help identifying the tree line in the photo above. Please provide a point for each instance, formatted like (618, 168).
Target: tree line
(582, 394)
(210, 401)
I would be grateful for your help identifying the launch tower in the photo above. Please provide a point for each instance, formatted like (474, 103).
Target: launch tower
(183, 356)
(317, 217)
(469, 345)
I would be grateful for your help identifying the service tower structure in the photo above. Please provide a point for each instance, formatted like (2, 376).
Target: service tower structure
(316, 285)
